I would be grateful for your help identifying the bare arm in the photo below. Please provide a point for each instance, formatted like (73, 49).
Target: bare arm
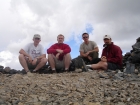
(83, 54)
(94, 50)
(42, 56)
(24, 53)
(86, 54)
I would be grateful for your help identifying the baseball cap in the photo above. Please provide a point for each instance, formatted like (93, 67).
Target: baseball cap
(37, 36)
(107, 37)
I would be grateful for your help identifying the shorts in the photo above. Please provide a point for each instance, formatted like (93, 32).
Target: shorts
(113, 66)
(59, 64)
(30, 66)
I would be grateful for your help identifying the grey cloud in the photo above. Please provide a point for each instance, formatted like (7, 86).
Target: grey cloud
(23, 18)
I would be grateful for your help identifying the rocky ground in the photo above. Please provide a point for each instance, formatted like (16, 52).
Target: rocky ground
(85, 88)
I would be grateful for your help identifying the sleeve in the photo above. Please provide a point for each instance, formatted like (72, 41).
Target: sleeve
(67, 49)
(81, 48)
(117, 58)
(42, 50)
(52, 49)
(94, 44)
(26, 48)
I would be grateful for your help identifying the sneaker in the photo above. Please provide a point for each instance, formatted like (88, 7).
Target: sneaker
(54, 71)
(66, 71)
(34, 71)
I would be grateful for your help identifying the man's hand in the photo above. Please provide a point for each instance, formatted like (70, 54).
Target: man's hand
(59, 51)
(34, 61)
(29, 59)
(87, 53)
(103, 59)
(57, 55)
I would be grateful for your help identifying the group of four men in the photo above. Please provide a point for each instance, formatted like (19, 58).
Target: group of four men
(33, 57)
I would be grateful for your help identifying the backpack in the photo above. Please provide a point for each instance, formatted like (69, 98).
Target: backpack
(77, 63)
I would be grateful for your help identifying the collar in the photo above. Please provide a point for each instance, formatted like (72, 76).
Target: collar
(107, 45)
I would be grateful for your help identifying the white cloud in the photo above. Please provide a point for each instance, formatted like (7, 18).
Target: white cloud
(9, 59)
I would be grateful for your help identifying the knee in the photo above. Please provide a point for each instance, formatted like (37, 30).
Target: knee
(44, 60)
(50, 56)
(21, 56)
(67, 55)
(103, 64)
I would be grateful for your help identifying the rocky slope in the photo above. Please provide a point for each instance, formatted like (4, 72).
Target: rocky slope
(86, 88)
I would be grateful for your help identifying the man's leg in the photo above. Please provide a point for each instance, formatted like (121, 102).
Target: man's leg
(51, 61)
(67, 60)
(100, 65)
(41, 64)
(92, 56)
(23, 62)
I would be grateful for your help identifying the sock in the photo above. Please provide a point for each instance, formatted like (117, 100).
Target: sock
(66, 68)
(53, 69)
(88, 65)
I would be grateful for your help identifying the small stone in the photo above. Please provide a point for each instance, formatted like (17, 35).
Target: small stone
(81, 90)
(128, 99)
(42, 98)
(82, 80)
(20, 103)
(75, 103)
(7, 69)
(90, 103)
(78, 70)
(120, 103)
(29, 74)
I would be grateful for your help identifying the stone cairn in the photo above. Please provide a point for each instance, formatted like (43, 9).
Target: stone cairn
(131, 60)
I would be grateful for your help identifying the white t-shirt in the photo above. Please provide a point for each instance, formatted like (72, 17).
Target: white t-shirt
(34, 51)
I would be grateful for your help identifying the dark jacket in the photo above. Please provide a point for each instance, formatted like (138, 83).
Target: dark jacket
(113, 54)
(52, 50)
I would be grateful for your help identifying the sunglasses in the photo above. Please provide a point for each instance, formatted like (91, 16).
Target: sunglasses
(37, 38)
(85, 37)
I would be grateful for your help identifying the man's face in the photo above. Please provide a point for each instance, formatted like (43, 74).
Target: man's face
(85, 37)
(36, 40)
(107, 41)
(60, 39)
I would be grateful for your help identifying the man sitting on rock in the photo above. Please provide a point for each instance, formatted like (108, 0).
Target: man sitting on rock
(88, 49)
(59, 55)
(111, 57)
(32, 57)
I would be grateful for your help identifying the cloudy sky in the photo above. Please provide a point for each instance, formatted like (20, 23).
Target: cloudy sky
(21, 19)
